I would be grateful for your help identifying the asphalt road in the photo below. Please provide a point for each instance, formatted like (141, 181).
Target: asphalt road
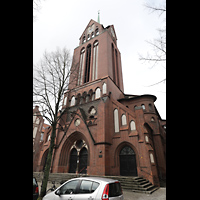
(159, 194)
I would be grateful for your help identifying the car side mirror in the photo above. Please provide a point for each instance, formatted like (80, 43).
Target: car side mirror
(57, 192)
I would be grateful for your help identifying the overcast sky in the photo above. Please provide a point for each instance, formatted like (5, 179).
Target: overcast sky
(60, 23)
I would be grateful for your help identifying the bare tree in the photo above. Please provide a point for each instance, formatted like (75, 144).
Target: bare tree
(36, 7)
(158, 55)
(50, 82)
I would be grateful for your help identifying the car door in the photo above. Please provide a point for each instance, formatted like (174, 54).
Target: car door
(87, 190)
(67, 191)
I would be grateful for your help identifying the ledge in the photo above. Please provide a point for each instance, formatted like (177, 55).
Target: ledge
(133, 133)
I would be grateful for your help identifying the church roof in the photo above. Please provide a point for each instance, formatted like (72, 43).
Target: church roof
(127, 96)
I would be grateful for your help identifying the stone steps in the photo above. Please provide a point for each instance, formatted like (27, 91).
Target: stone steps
(135, 184)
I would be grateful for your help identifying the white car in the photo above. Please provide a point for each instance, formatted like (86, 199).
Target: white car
(87, 188)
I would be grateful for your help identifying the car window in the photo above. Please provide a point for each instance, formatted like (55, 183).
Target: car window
(69, 188)
(94, 186)
(85, 187)
(34, 181)
(88, 187)
(115, 189)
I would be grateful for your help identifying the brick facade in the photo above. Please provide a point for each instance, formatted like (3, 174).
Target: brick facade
(102, 127)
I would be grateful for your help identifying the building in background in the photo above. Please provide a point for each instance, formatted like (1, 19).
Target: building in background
(104, 131)
(38, 132)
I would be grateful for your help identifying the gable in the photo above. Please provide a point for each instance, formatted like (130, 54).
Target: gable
(78, 123)
(91, 27)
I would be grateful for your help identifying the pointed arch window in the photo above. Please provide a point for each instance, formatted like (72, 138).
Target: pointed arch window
(104, 88)
(132, 125)
(143, 106)
(87, 98)
(117, 70)
(93, 96)
(151, 158)
(97, 93)
(116, 120)
(150, 107)
(87, 64)
(84, 40)
(65, 101)
(95, 60)
(146, 138)
(80, 72)
(97, 31)
(49, 136)
(73, 101)
(34, 132)
(124, 120)
(113, 63)
(152, 119)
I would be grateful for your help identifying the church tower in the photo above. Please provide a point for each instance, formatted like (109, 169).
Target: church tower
(97, 56)
(103, 131)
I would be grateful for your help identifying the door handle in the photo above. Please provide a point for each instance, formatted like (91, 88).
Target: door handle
(90, 198)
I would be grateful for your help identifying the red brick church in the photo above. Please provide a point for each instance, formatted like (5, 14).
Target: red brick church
(104, 131)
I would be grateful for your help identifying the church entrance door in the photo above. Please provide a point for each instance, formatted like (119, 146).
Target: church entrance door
(83, 161)
(73, 161)
(78, 159)
(128, 165)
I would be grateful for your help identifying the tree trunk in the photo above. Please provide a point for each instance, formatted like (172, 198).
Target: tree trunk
(48, 162)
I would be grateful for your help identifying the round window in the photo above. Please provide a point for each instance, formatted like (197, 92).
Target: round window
(77, 122)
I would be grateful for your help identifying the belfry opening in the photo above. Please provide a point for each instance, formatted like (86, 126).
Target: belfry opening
(87, 64)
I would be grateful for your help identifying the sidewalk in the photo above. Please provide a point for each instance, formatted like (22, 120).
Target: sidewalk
(159, 194)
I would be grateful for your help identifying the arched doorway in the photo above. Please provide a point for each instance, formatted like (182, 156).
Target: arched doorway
(128, 165)
(73, 161)
(78, 159)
